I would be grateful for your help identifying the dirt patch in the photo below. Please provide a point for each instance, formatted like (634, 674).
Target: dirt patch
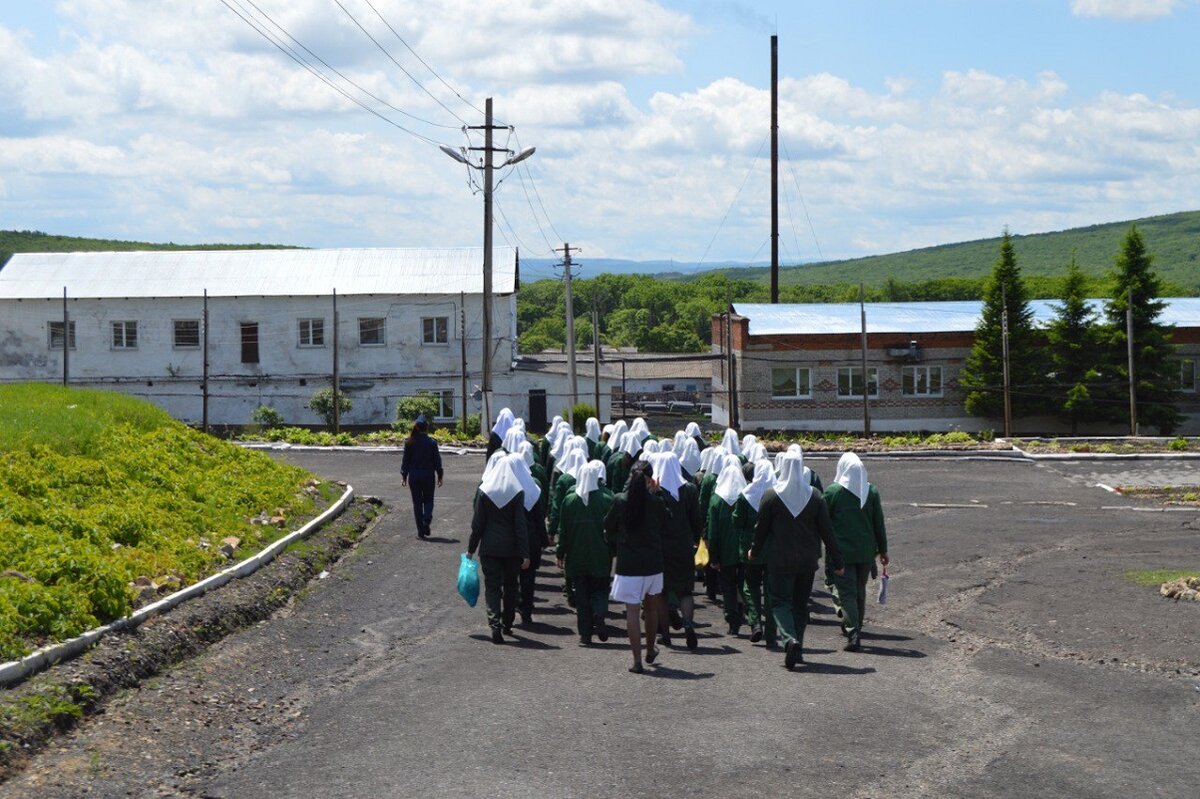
(1165, 495)
(32, 713)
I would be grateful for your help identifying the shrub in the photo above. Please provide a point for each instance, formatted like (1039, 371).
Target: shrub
(582, 411)
(473, 426)
(321, 403)
(409, 408)
(1179, 444)
(267, 417)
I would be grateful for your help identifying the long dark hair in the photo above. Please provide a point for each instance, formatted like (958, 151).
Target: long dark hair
(420, 428)
(635, 495)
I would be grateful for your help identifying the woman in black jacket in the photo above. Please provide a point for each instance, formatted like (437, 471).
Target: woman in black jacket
(632, 529)
(499, 532)
(422, 462)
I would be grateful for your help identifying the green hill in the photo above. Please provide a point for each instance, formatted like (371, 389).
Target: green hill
(1174, 239)
(14, 241)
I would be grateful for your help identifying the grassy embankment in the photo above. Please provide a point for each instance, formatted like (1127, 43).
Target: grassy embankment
(98, 490)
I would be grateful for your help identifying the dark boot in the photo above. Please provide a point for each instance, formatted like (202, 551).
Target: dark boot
(853, 645)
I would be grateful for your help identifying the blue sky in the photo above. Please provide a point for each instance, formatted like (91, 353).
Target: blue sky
(904, 124)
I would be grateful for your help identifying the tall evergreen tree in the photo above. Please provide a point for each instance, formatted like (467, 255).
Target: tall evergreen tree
(1074, 340)
(983, 374)
(1156, 373)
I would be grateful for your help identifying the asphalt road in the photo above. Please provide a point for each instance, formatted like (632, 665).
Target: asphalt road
(1012, 659)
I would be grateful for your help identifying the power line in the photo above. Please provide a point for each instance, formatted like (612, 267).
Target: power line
(384, 50)
(804, 205)
(536, 193)
(290, 53)
(422, 60)
(529, 200)
(732, 202)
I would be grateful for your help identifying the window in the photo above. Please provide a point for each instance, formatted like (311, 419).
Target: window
(791, 383)
(124, 335)
(56, 337)
(435, 330)
(921, 381)
(370, 332)
(312, 332)
(1187, 376)
(187, 334)
(850, 382)
(249, 342)
(445, 397)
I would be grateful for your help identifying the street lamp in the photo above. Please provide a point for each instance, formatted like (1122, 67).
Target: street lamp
(487, 167)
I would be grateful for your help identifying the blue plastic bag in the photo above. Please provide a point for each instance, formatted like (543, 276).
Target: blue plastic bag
(468, 579)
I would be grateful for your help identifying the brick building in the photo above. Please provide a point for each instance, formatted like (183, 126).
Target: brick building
(799, 367)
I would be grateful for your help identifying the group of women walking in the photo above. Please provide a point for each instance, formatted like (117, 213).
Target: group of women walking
(619, 493)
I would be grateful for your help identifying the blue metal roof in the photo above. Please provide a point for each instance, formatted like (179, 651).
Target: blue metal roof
(915, 317)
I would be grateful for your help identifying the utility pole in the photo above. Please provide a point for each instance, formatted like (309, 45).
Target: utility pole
(462, 338)
(1133, 426)
(572, 376)
(204, 379)
(775, 170)
(66, 341)
(862, 307)
(337, 378)
(1004, 353)
(729, 357)
(595, 355)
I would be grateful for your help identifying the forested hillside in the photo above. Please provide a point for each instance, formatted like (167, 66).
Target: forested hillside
(14, 241)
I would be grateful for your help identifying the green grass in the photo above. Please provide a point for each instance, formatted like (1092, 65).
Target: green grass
(97, 490)
(1152, 578)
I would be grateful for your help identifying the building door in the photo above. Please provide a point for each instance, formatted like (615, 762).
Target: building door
(537, 411)
(249, 342)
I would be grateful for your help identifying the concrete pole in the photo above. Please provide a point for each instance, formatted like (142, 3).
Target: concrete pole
(1133, 425)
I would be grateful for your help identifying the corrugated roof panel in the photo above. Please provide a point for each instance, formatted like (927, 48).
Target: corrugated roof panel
(915, 317)
(229, 273)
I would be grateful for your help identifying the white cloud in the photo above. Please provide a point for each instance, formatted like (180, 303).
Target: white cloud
(1125, 9)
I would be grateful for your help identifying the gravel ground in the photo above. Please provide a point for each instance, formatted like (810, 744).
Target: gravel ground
(1012, 659)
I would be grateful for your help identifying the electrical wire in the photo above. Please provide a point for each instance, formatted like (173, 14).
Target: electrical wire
(384, 50)
(804, 205)
(261, 31)
(536, 193)
(549, 247)
(422, 60)
(733, 202)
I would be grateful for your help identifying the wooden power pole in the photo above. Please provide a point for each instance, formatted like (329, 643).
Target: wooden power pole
(775, 170)
(572, 376)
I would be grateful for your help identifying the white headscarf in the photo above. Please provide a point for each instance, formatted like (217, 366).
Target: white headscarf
(677, 444)
(554, 423)
(667, 472)
(631, 445)
(593, 429)
(748, 441)
(650, 448)
(559, 436)
(519, 423)
(792, 486)
(730, 442)
(619, 428)
(764, 478)
(730, 484)
(708, 457)
(689, 459)
(504, 420)
(577, 442)
(513, 439)
(502, 483)
(572, 462)
(693, 430)
(532, 491)
(492, 460)
(755, 452)
(640, 429)
(588, 479)
(779, 456)
(526, 451)
(852, 475)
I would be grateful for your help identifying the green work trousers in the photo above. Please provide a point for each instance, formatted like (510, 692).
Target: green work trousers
(850, 591)
(591, 602)
(500, 578)
(730, 580)
(788, 594)
(758, 613)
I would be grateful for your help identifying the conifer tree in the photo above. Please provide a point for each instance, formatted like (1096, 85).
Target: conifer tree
(983, 374)
(1074, 340)
(1156, 373)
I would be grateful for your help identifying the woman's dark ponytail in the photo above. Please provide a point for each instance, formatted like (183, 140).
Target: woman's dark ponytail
(635, 495)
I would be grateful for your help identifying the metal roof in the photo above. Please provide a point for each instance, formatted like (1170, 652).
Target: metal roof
(255, 273)
(916, 317)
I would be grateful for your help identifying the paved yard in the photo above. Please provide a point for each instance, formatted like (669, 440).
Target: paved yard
(1013, 659)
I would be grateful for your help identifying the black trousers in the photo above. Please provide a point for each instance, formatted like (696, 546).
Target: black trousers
(500, 589)
(730, 580)
(527, 579)
(422, 499)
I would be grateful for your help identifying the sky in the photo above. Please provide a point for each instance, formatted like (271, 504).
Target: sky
(903, 123)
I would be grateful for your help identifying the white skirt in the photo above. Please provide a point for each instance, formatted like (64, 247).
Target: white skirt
(631, 590)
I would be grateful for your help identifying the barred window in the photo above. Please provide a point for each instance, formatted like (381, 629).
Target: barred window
(187, 334)
(56, 335)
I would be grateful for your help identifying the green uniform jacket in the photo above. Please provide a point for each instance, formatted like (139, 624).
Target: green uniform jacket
(581, 545)
(639, 551)
(499, 532)
(745, 519)
(681, 534)
(563, 484)
(723, 542)
(708, 484)
(792, 544)
(859, 530)
(543, 453)
(617, 471)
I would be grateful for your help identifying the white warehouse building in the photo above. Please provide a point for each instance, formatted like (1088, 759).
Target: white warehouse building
(136, 324)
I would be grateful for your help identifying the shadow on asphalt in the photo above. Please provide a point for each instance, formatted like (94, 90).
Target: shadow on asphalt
(883, 637)
(893, 653)
(518, 642)
(830, 668)
(547, 629)
(825, 622)
(669, 673)
(437, 539)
